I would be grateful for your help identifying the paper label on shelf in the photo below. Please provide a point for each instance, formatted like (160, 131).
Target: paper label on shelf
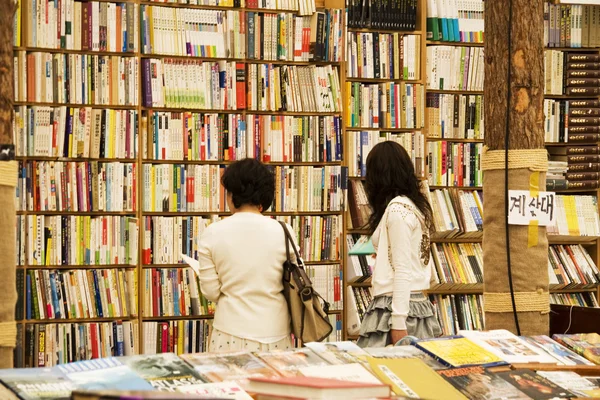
(525, 209)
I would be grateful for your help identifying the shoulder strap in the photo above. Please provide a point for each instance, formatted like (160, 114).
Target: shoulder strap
(288, 239)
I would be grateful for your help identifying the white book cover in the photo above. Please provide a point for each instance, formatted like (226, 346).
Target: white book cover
(508, 346)
(345, 372)
(223, 390)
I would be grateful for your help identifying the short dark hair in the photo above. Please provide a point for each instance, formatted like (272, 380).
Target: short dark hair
(250, 182)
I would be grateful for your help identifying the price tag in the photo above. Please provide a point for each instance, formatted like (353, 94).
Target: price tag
(525, 209)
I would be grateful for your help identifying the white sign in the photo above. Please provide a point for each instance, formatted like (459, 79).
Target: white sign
(524, 208)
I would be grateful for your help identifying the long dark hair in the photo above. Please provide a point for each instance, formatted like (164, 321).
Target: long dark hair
(390, 173)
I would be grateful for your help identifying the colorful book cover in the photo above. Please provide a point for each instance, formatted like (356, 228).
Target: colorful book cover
(556, 350)
(165, 372)
(508, 346)
(235, 366)
(289, 362)
(412, 378)
(220, 390)
(534, 385)
(338, 352)
(478, 384)
(103, 374)
(37, 383)
(572, 382)
(458, 351)
(396, 352)
(585, 344)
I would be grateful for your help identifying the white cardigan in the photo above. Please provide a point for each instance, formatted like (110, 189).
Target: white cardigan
(403, 264)
(241, 268)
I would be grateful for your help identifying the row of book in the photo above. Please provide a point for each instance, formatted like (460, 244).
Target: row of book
(394, 15)
(361, 143)
(572, 74)
(453, 367)
(457, 213)
(227, 137)
(293, 88)
(454, 164)
(575, 216)
(457, 265)
(455, 116)
(570, 25)
(373, 55)
(75, 132)
(48, 345)
(77, 186)
(328, 281)
(287, 37)
(455, 68)
(173, 292)
(179, 337)
(166, 238)
(73, 25)
(455, 21)
(76, 240)
(76, 78)
(385, 105)
(573, 120)
(571, 266)
(89, 293)
(573, 167)
(583, 299)
(457, 312)
(193, 32)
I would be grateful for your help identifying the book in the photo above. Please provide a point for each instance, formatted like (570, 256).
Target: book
(478, 384)
(37, 383)
(398, 352)
(412, 378)
(458, 351)
(344, 372)
(534, 385)
(362, 248)
(572, 382)
(165, 372)
(103, 374)
(236, 366)
(508, 346)
(129, 395)
(221, 390)
(459, 311)
(289, 362)
(556, 350)
(317, 388)
(337, 352)
(585, 344)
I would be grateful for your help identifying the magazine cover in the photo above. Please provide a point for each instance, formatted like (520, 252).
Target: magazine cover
(103, 374)
(165, 372)
(556, 350)
(404, 352)
(37, 383)
(508, 346)
(220, 390)
(288, 362)
(235, 366)
(338, 352)
(478, 384)
(457, 351)
(572, 382)
(585, 344)
(534, 385)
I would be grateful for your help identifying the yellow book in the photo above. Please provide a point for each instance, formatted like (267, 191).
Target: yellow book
(457, 351)
(411, 377)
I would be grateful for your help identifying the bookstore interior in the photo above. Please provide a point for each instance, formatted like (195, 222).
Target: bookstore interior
(119, 104)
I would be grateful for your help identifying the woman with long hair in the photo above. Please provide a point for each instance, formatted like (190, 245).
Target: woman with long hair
(400, 224)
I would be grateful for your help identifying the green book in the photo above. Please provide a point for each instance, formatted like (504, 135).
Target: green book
(362, 248)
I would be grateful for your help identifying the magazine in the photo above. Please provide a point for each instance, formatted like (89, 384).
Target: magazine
(103, 374)
(289, 362)
(478, 384)
(235, 366)
(534, 385)
(572, 382)
(404, 352)
(37, 383)
(556, 350)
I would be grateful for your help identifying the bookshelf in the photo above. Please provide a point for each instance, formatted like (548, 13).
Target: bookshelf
(163, 135)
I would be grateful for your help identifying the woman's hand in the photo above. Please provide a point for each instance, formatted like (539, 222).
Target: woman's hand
(397, 335)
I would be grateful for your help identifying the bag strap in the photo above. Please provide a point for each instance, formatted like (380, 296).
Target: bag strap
(288, 239)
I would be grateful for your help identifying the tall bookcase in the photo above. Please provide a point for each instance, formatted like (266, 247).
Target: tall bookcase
(208, 129)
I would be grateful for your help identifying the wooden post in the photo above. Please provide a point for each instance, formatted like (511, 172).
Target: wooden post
(8, 181)
(529, 246)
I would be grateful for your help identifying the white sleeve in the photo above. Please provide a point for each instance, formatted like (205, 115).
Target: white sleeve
(210, 285)
(400, 225)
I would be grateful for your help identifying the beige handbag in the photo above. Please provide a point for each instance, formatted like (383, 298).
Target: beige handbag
(308, 310)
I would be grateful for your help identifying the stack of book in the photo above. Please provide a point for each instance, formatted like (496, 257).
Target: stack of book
(455, 367)
(581, 167)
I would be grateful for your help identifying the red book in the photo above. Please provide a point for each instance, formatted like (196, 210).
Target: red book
(240, 84)
(316, 388)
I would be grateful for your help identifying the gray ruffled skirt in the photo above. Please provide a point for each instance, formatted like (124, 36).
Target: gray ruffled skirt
(421, 322)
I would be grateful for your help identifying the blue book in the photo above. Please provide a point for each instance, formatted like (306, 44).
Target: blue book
(362, 248)
(103, 374)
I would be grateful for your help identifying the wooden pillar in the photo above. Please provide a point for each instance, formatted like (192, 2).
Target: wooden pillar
(529, 247)
(8, 180)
